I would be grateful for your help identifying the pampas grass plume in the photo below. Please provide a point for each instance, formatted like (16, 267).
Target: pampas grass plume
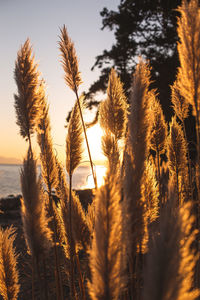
(9, 277)
(158, 133)
(189, 52)
(44, 140)
(135, 156)
(177, 148)
(35, 222)
(105, 254)
(69, 60)
(180, 105)
(113, 111)
(171, 261)
(74, 140)
(26, 101)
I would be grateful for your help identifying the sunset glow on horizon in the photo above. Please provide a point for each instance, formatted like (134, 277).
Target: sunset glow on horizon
(20, 20)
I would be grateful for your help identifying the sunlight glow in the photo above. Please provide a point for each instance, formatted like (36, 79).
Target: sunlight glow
(94, 135)
(100, 173)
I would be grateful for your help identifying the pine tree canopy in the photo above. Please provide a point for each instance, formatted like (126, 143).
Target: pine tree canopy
(141, 28)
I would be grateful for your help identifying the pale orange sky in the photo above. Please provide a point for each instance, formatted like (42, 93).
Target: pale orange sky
(40, 21)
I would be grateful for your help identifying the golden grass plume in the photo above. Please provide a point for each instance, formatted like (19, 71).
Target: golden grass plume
(74, 140)
(169, 273)
(189, 52)
(159, 131)
(180, 104)
(35, 222)
(9, 276)
(69, 60)
(47, 156)
(26, 101)
(105, 254)
(113, 111)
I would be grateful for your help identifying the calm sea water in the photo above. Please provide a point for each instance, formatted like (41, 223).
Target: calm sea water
(10, 179)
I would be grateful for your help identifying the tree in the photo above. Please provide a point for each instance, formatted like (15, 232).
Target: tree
(141, 27)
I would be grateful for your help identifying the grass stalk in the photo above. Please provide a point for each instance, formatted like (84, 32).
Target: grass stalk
(72, 284)
(81, 284)
(86, 140)
(59, 289)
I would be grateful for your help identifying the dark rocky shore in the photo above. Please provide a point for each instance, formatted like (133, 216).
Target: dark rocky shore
(10, 215)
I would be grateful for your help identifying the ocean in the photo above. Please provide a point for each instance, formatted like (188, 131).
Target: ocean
(10, 178)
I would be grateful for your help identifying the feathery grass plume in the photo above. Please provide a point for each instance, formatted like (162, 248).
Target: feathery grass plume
(181, 109)
(139, 120)
(73, 80)
(171, 260)
(69, 60)
(35, 222)
(90, 217)
(150, 198)
(74, 140)
(49, 172)
(80, 230)
(189, 55)
(62, 190)
(9, 277)
(74, 150)
(150, 192)
(158, 133)
(180, 104)
(189, 52)
(135, 156)
(73, 225)
(44, 140)
(111, 151)
(62, 233)
(26, 101)
(105, 254)
(113, 111)
(177, 157)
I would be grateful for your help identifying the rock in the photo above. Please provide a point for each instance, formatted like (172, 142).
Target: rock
(10, 203)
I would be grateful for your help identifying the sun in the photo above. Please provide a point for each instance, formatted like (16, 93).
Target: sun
(94, 135)
(100, 174)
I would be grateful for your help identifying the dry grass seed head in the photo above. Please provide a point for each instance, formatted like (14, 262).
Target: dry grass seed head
(180, 105)
(158, 132)
(113, 111)
(111, 151)
(9, 277)
(44, 139)
(74, 140)
(35, 221)
(80, 229)
(26, 101)
(189, 52)
(69, 60)
(135, 156)
(105, 254)
(170, 262)
(177, 148)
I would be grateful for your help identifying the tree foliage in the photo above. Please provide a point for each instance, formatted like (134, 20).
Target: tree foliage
(141, 27)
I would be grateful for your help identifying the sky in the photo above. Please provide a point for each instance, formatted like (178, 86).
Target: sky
(40, 20)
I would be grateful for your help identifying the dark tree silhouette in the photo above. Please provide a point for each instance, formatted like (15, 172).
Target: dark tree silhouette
(141, 27)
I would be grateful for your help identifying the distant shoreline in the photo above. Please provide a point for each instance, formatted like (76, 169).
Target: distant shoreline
(7, 164)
